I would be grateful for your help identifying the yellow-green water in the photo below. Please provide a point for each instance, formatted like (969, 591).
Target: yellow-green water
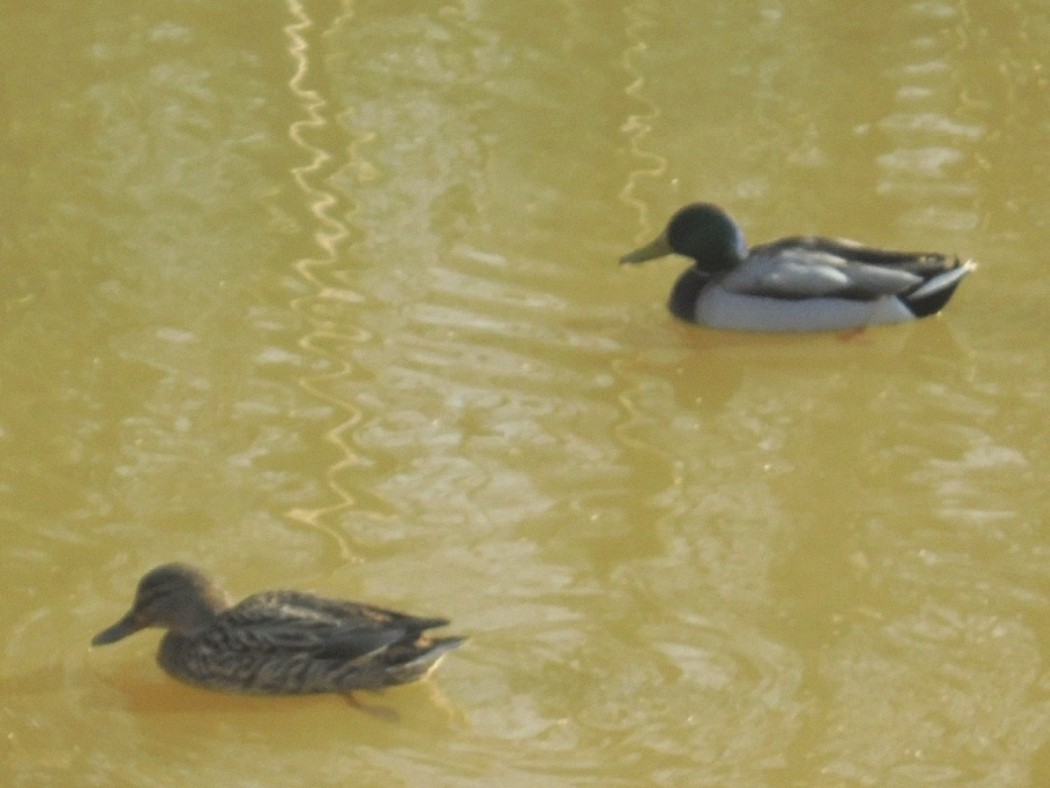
(324, 295)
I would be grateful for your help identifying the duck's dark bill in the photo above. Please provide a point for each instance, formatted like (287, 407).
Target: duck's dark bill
(126, 626)
(659, 247)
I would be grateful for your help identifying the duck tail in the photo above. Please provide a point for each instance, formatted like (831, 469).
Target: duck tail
(440, 646)
(426, 660)
(930, 297)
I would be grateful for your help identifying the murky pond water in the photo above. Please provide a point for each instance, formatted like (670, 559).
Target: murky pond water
(324, 295)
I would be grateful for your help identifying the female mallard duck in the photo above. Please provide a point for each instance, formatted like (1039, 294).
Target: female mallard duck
(796, 284)
(276, 642)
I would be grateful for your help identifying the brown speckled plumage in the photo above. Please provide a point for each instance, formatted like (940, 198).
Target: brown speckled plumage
(276, 642)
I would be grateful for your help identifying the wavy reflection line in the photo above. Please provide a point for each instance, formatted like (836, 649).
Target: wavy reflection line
(634, 420)
(331, 231)
(930, 136)
(639, 124)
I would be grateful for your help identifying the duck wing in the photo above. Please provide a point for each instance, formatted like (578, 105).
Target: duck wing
(296, 622)
(810, 267)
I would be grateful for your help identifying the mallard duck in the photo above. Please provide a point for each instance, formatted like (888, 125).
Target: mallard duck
(796, 284)
(276, 642)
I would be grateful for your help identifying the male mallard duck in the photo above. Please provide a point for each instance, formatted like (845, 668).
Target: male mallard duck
(796, 284)
(276, 642)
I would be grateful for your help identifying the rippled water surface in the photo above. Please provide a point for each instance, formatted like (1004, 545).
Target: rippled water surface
(324, 295)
